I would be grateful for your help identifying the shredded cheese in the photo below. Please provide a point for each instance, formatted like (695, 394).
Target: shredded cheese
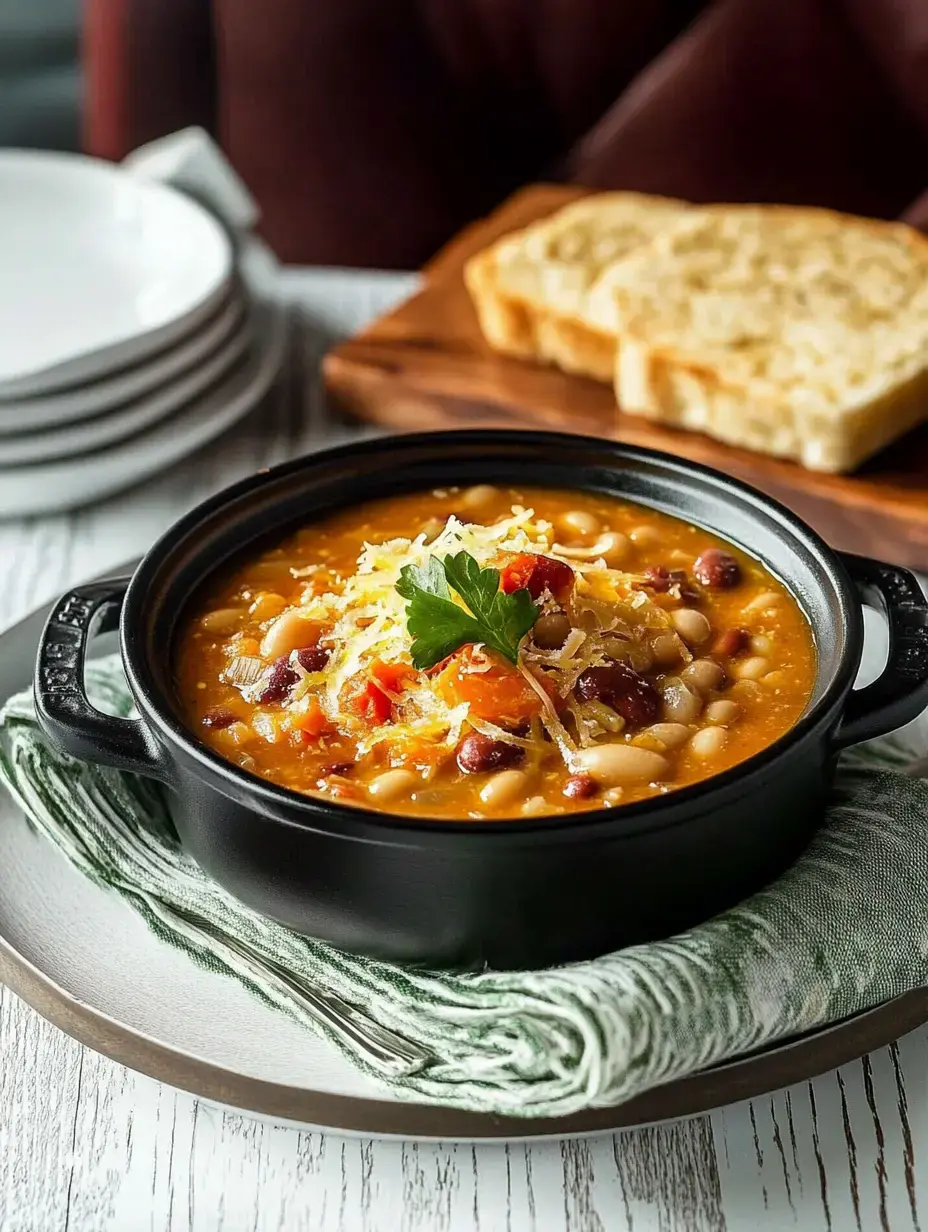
(365, 620)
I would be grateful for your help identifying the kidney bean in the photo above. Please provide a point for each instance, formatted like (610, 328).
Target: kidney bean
(620, 687)
(279, 681)
(580, 787)
(658, 579)
(677, 581)
(731, 642)
(682, 586)
(478, 753)
(313, 658)
(552, 575)
(336, 767)
(219, 718)
(536, 574)
(717, 569)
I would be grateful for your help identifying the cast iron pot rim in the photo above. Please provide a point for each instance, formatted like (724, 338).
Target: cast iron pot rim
(351, 822)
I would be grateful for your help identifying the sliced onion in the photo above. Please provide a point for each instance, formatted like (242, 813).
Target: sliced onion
(244, 671)
(553, 725)
(499, 733)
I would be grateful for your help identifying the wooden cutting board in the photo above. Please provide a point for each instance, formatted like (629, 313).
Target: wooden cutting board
(426, 366)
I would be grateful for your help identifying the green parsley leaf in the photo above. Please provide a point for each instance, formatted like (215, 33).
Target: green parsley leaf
(505, 618)
(439, 626)
(429, 578)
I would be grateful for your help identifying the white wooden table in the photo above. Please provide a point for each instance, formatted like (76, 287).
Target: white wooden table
(86, 1145)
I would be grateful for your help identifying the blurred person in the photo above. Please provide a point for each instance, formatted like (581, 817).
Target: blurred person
(370, 131)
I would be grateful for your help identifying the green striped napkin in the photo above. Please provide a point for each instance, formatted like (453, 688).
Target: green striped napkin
(844, 929)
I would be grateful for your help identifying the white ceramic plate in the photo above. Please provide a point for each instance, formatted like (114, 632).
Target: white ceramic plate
(88, 963)
(21, 416)
(72, 439)
(99, 269)
(55, 486)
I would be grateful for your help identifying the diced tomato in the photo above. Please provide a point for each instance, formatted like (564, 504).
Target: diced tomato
(368, 701)
(311, 720)
(392, 677)
(501, 694)
(516, 573)
(536, 574)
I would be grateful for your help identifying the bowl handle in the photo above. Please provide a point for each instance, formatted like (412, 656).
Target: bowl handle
(64, 711)
(900, 693)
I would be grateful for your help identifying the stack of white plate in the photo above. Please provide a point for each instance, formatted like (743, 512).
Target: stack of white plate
(127, 337)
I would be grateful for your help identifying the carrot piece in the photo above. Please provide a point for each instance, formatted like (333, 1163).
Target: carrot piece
(392, 677)
(368, 701)
(500, 695)
(312, 720)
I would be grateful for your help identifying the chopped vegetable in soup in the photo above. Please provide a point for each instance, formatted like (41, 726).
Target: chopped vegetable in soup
(485, 652)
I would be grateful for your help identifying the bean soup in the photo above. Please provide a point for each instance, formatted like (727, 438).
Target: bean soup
(487, 652)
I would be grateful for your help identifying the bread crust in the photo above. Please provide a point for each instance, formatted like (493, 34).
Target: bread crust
(796, 332)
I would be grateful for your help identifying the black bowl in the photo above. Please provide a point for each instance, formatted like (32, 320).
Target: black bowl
(514, 893)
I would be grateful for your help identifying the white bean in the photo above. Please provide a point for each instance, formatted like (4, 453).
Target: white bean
(767, 599)
(612, 547)
(645, 537)
(751, 669)
(266, 605)
(640, 658)
(236, 733)
(222, 620)
(580, 522)
(391, 785)
(670, 735)
(703, 674)
(722, 713)
(761, 644)
(612, 764)
(681, 703)
(709, 741)
(667, 649)
(290, 631)
(432, 529)
(746, 690)
(535, 806)
(504, 788)
(478, 497)
(691, 625)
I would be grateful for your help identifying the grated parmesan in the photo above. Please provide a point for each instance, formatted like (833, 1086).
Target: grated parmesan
(366, 621)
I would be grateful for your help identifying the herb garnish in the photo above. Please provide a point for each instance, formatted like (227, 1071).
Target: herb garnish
(439, 626)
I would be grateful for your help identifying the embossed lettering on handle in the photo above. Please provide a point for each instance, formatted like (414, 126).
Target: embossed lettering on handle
(64, 711)
(900, 693)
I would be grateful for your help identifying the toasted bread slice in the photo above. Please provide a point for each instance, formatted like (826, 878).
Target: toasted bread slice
(530, 288)
(797, 332)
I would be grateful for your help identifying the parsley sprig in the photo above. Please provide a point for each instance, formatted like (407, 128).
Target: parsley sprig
(439, 626)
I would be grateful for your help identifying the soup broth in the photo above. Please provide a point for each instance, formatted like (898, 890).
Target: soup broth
(494, 652)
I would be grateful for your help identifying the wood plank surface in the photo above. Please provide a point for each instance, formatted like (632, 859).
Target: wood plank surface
(426, 366)
(89, 1146)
